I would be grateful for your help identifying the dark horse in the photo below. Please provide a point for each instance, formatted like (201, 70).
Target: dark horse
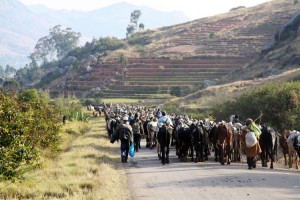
(164, 137)
(268, 142)
(200, 142)
(213, 140)
(183, 141)
(111, 126)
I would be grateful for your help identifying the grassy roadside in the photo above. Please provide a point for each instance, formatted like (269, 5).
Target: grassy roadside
(88, 168)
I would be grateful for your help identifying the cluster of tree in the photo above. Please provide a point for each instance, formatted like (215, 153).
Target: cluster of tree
(7, 71)
(29, 124)
(98, 47)
(277, 104)
(55, 46)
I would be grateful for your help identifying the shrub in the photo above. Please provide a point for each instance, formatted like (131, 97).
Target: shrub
(29, 124)
(278, 103)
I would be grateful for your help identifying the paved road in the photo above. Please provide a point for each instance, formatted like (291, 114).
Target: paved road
(149, 179)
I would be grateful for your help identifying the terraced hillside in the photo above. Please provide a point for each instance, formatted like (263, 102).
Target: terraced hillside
(181, 57)
(147, 77)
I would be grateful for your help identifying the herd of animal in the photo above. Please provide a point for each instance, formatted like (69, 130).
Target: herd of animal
(195, 140)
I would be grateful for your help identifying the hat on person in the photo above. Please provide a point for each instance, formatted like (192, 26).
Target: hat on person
(125, 118)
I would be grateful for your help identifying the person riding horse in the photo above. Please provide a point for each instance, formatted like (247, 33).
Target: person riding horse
(164, 136)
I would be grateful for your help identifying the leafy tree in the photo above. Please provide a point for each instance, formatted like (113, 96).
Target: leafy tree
(134, 17)
(9, 70)
(2, 72)
(141, 26)
(124, 63)
(130, 30)
(56, 45)
(11, 85)
(176, 91)
(123, 60)
(133, 25)
(97, 47)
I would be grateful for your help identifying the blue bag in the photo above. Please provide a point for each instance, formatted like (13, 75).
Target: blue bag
(131, 151)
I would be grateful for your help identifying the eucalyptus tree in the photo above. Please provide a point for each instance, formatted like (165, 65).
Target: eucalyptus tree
(56, 45)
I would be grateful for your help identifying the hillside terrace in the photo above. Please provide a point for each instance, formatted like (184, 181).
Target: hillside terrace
(185, 55)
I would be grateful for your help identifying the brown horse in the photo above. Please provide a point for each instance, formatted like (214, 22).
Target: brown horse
(224, 142)
(283, 142)
(236, 142)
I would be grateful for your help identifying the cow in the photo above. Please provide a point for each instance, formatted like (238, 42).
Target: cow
(268, 142)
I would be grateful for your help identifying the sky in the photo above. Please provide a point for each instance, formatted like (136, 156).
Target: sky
(194, 9)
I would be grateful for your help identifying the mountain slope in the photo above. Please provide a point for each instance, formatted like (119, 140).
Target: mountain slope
(184, 57)
(18, 36)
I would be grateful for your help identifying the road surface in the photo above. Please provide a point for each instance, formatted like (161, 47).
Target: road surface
(149, 179)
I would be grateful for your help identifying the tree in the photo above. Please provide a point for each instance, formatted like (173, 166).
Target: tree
(134, 17)
(141, 26)
(2, 72)
(133, 25)
(9, 70)
(56, 45)
(11, 85)
(123, 60)
(124, 63)
(130, 30)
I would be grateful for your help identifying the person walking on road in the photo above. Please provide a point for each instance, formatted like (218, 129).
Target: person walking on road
(124, 133)
(138, 131)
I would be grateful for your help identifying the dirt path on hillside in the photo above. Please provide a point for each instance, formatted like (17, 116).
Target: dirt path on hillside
(149, 179)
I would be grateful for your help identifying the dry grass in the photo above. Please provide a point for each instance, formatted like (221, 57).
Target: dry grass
(218, 94)
(88, 168)
(120, 100)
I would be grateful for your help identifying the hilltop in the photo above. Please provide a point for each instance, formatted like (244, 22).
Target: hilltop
(179, 59)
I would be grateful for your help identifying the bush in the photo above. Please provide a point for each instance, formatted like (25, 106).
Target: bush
(29, 124)
(138, 40)
(279, 103)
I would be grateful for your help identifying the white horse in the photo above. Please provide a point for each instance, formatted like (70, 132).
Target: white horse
(151, 127)
(293, 157)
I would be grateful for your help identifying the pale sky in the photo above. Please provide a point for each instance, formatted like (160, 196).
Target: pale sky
(194, 9)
